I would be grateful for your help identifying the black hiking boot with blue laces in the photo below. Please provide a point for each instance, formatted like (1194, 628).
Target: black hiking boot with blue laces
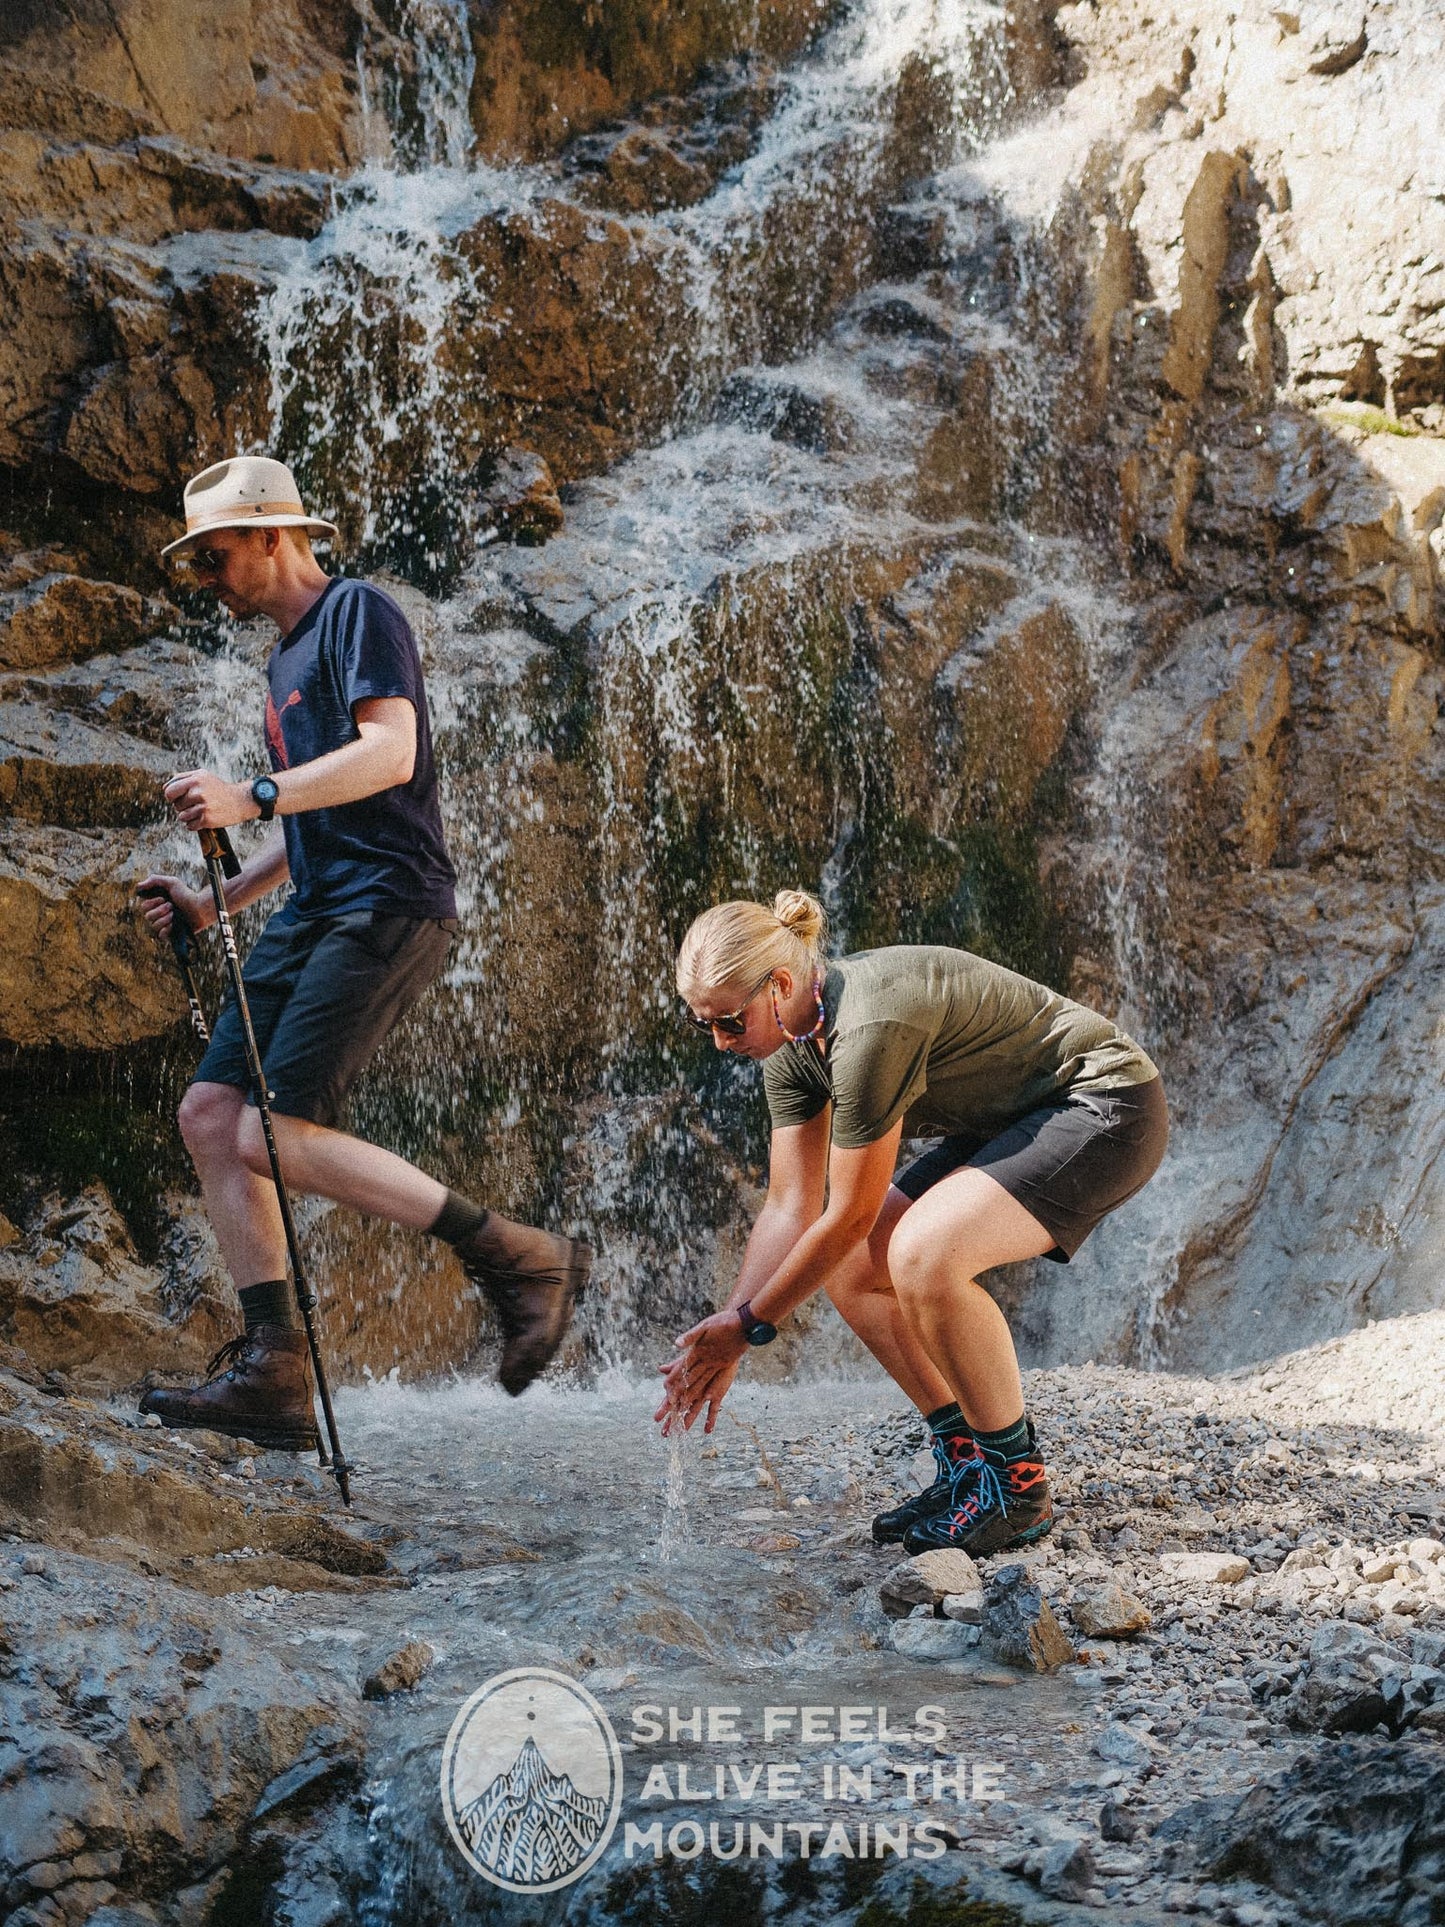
(950, 1451)
(989, 1509)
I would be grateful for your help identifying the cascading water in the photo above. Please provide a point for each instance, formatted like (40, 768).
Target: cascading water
(823, 630)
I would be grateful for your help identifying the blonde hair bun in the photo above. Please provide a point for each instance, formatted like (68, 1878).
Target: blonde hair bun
(735, 945)
(803, 915)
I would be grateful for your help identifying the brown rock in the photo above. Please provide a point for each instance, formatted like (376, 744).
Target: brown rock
(539, 81)
(75, 1296)
(251, 79)
(147, 1500)
(520, 502)
(57, 768)
(400, 1673)
(1111, 1613)
(78, 967)
(1206, 248)
(65, 618)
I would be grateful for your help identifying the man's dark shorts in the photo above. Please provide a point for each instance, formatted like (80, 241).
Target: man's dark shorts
(324, 993)
(1069, 1164)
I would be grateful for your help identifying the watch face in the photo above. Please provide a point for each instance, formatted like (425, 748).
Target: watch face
(264, 790)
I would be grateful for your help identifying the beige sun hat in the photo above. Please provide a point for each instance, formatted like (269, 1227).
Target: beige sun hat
(248, 492)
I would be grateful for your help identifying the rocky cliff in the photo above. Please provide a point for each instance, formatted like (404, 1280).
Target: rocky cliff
(1000, 480)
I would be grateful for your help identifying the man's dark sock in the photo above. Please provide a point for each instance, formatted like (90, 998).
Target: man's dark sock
(270, 1303)
(458, 1219)
(1007, 1447)
(948, 1418)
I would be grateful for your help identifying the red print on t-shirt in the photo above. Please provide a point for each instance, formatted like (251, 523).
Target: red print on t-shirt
(273, 727)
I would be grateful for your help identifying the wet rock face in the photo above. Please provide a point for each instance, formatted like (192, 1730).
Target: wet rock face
(152, 1748)
(1217, 822)
(77, 1301)
(544, 76)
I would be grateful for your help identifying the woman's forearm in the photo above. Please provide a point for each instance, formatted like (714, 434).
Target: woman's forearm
(805, 1266)
(775, 1233)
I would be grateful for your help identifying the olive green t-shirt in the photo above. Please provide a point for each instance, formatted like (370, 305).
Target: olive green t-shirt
(949, 1042)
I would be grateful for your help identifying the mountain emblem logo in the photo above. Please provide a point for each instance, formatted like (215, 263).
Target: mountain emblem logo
(532, 1780)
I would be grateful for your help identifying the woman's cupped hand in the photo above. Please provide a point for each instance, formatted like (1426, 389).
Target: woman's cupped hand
(707, 1360)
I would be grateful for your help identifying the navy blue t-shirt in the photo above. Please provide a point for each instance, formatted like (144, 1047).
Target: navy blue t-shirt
(385, 852)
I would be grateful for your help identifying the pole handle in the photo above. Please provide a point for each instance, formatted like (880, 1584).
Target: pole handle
(181, 932)
(216, 843)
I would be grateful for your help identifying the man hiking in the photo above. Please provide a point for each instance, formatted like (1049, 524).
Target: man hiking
(364, 931)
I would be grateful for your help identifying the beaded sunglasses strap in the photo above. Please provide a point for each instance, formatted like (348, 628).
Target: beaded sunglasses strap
(805, 1036)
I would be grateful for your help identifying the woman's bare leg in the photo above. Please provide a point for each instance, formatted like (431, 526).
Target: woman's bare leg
(863, 1294)
(962, 1226)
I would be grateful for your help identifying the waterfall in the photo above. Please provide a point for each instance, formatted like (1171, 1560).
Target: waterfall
(812, 628)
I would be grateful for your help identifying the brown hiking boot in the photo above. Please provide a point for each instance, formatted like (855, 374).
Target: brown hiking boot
(531, 1279)
(256, 1387)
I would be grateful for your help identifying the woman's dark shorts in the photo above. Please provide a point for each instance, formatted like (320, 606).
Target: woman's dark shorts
(324, 993)
(1069, 1164)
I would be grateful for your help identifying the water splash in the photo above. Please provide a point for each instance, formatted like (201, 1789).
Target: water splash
(672, 1539)
(445, 70)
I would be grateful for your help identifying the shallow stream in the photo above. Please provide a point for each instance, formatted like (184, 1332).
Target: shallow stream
(733, 1574)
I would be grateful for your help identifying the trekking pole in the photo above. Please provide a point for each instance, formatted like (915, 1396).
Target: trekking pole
(221, 861)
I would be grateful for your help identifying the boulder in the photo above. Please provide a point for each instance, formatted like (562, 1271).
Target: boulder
(1355, 1830)
(1019, 1626)
(1345, 1687)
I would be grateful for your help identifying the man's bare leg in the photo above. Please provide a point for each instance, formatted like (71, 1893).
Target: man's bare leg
(240, 1203)
(332, 1164)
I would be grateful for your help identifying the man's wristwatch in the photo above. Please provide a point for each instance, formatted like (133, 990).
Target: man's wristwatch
(757, 1331)
(265, 795)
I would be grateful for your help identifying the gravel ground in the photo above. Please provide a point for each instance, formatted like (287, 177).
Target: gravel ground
(1308, 1490)
(1241, 1513)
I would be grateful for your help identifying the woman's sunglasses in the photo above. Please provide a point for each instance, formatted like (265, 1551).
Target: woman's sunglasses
(736, 1021)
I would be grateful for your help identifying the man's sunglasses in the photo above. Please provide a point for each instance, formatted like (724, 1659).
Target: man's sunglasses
(206, 561)
(736, 1021)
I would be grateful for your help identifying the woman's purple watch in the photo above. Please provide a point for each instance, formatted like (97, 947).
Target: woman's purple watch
(757, 1331)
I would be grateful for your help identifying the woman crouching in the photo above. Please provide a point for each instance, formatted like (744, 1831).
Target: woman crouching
(1048, 1118)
